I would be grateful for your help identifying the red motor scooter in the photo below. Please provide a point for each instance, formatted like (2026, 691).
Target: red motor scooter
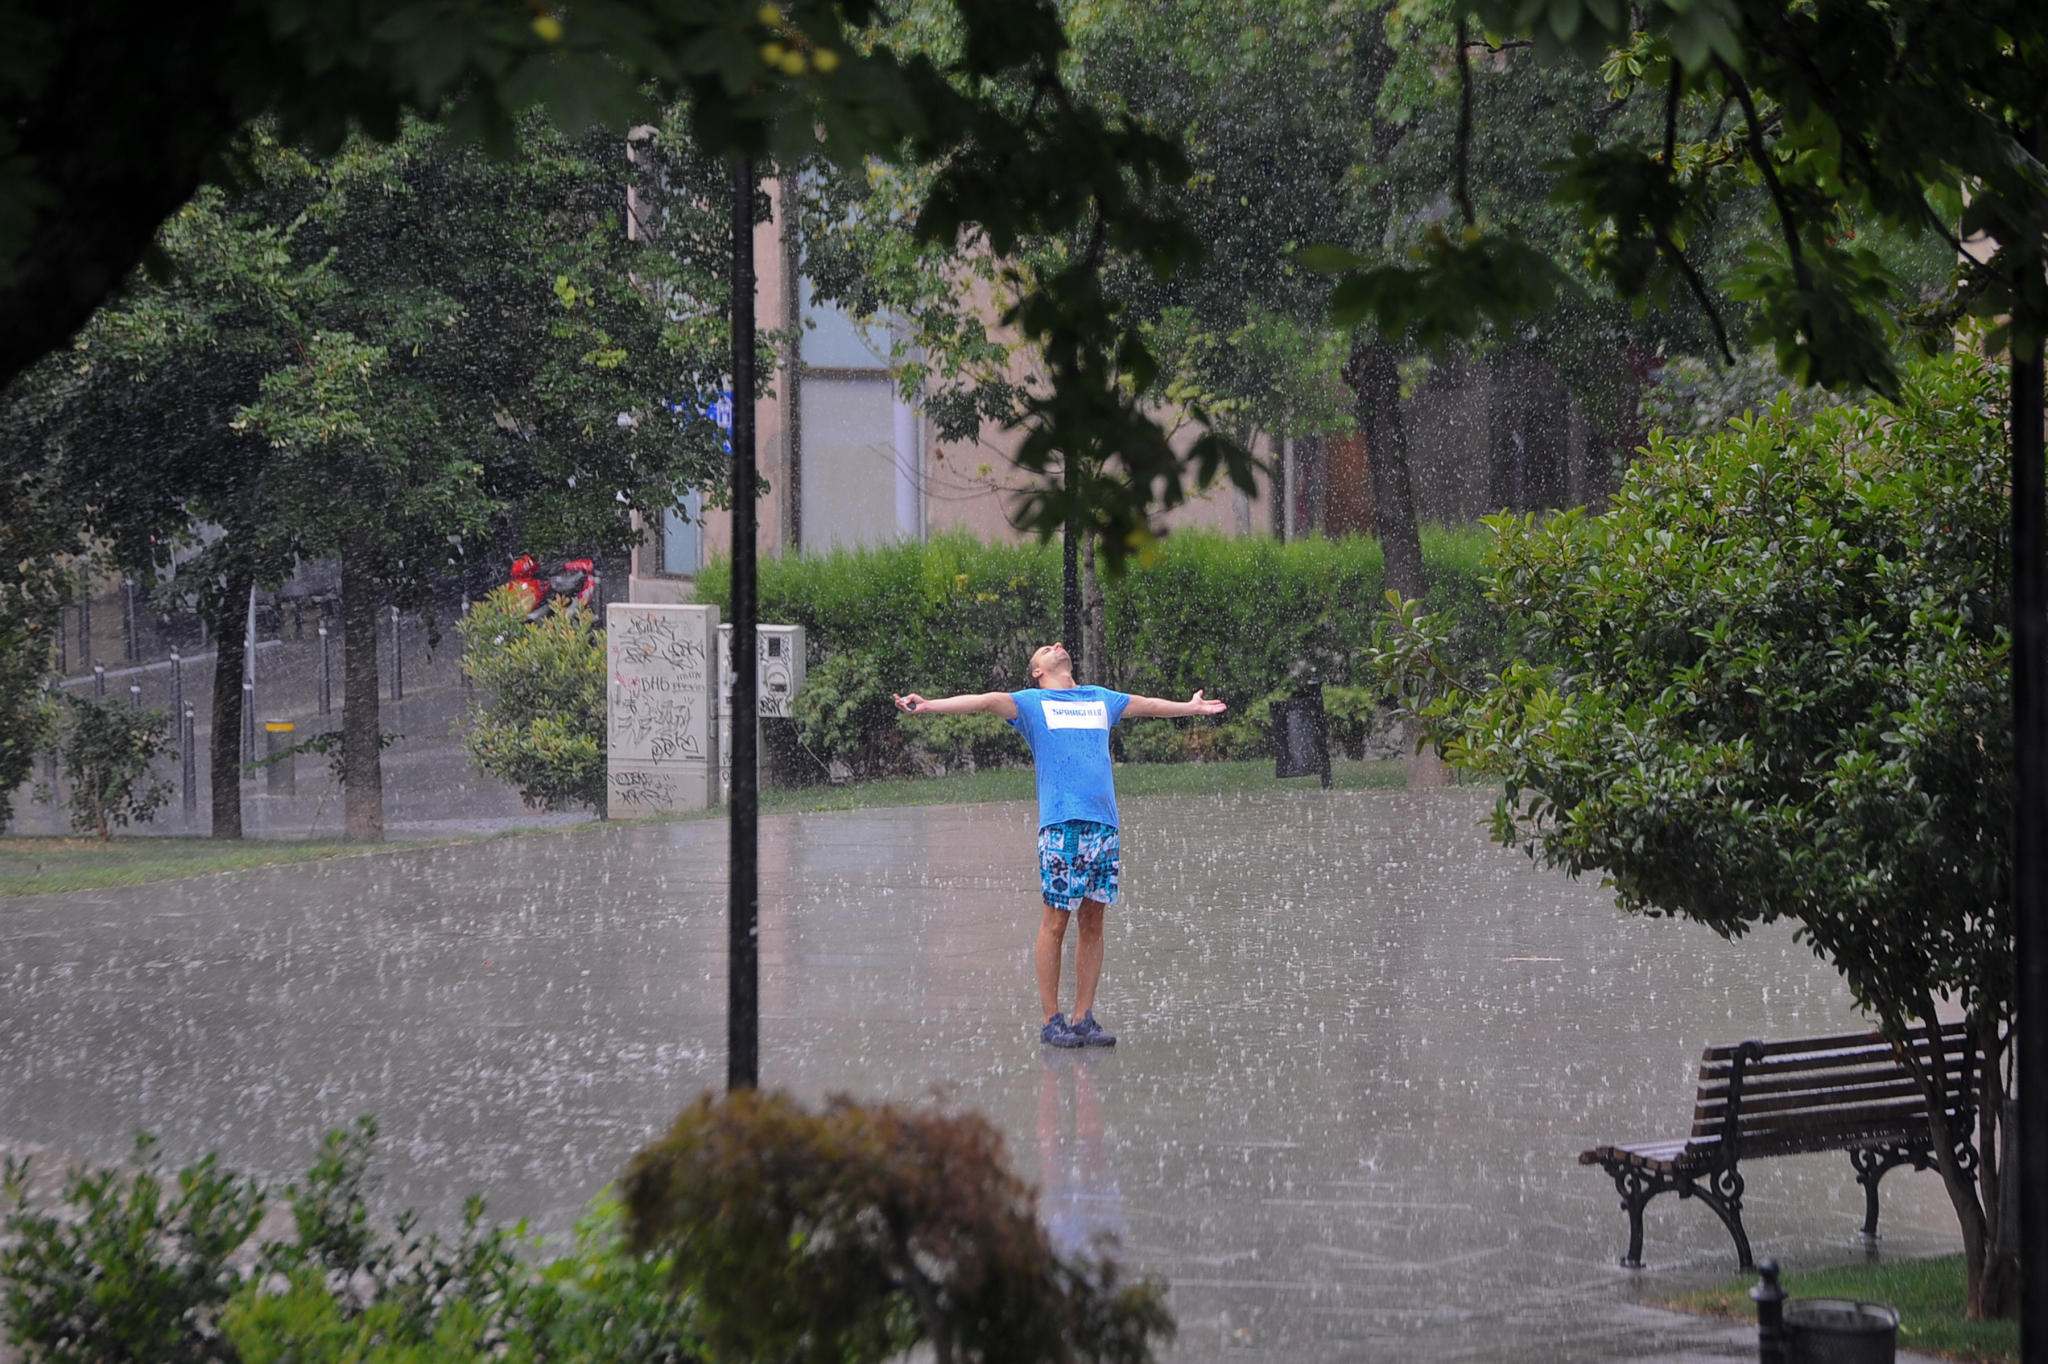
(574, 583)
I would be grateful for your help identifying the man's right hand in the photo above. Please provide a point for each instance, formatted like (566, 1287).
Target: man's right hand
(908, 703)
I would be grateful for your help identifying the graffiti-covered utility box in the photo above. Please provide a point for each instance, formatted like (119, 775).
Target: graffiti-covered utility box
(779, 654)
(661, 730)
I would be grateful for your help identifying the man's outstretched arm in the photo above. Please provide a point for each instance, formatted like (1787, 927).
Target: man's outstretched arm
(1157, 707)
(1000, 704)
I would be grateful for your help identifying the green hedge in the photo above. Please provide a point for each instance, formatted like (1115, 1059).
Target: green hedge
(1238, 617)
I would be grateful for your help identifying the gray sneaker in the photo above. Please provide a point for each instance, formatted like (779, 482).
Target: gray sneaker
(1056, 1033)
(1090, 1032)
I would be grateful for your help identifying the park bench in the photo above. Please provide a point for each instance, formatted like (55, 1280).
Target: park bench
(1850, 1093)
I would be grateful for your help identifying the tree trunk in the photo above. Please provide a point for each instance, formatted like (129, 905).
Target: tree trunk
(1094, 618)
(230, 657)
(1966, 1188)
(1070, 596)
(1376, 384)
(1995, 1294)
(362, 764)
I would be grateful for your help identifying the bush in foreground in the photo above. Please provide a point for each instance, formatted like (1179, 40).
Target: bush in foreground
(142, 1268)
(855, 1234)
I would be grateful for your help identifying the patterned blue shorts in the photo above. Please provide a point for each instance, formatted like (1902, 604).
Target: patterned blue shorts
(1077, 861)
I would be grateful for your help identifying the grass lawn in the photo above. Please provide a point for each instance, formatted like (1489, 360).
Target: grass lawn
(33, 866)
(1928, 1295)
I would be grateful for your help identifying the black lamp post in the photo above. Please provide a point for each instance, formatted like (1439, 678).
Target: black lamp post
(743, 997)
(2030, 843)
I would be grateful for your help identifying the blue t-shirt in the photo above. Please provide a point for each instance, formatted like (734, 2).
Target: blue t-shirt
(1068, 731)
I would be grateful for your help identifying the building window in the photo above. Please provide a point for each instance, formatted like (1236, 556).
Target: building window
(682, 537)
(863, 456)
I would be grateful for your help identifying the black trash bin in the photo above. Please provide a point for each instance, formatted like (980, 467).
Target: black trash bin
(1301, 735)
(1838, 1331)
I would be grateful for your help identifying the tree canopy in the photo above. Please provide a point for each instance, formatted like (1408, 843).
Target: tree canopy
(398, 357)
(116, 112)
(1770, 684)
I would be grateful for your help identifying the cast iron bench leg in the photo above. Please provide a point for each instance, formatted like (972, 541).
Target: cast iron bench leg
(1636, 1187)
(1872, 1164)
(1723, 1193)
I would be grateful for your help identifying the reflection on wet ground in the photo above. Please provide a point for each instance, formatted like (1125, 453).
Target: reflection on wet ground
(1360, 1047)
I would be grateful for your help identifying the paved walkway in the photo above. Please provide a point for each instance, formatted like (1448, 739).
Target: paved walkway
(1361, 1048)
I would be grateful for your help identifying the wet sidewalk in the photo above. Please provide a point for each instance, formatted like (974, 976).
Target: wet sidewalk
(1361, 1048)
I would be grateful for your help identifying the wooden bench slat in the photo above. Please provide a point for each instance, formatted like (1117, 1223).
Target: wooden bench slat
(1823, 1117)
(1868, 1056)
(1828, 1082)
(1821, 1100)
(1825, 1044)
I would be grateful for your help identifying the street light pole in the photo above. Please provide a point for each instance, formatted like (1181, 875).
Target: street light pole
(2030, 840)
(743, 998)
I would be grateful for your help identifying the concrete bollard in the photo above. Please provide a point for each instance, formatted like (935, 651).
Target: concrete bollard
(278, 737)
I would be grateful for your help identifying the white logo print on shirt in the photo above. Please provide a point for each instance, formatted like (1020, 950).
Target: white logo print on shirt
(1076, 715)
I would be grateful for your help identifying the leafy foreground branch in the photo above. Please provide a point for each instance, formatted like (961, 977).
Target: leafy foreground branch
(1770, 684)
(857, 1233)
(143, 1268)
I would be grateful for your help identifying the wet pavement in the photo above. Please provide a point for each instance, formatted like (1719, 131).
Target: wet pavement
(1361, 1048)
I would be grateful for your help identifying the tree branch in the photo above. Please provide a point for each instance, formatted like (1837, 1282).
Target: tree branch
(1671, 119)
(1464, 150)
(1760, 157)
(1699, 291)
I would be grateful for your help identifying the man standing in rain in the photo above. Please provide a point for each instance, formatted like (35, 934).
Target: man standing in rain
(1067, 727)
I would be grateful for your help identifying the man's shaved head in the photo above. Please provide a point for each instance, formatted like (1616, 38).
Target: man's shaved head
(1049, 658)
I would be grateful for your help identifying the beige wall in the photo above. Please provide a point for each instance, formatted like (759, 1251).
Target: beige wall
(967, 485)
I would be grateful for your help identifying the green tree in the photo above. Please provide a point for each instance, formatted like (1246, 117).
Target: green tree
(35, 584)
(1920, 117)
(1770, 685)
(364, 357)
(109, 749)
(115, 114)
(542, 727)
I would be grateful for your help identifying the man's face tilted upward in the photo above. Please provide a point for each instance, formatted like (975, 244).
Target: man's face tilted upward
(1052, 662)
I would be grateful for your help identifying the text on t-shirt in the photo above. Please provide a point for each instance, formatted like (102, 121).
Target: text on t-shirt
(1076, 715)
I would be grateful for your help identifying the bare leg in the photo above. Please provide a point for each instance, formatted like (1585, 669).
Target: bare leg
(1052, 934)
(1087, 958)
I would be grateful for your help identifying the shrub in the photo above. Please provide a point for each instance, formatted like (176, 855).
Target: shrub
(137, 1269)
(1238, 617)
(945, 743)
(109, 749)
(844, 712)
(858, 1233)
(541, 724)
(136, 1273)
